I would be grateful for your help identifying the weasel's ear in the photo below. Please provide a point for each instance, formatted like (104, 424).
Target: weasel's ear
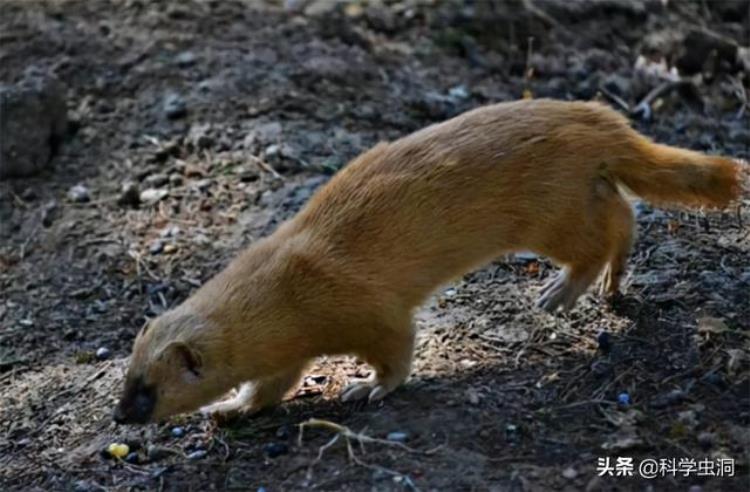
(183, 356)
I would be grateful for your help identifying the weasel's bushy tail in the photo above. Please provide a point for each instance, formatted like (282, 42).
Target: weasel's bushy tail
(661, 174)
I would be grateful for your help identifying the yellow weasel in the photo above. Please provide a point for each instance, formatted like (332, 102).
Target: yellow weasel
(345, 275)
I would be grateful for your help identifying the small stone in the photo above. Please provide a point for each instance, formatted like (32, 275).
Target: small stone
(605, 344)
(275, 449)
(472, 396)
(129, 195)
(688, 418)
(674, 396)
(623, 399)
(118, 450)
(178, 431)
(83, 486)
(273, 151)
(156, 247)
(174, 106)
(156, 180)
(706, 439)
(132, 458)
(170, 248)
(203, 184)
(151, 196)
(397, 436)
(103, 353)
(283, 432)
(199, 136)
(512, 434)
(617, 85)
(48, 213)
(197, 455)
(185, 59)
(570, 473)
(156, 453)
(458, 92)
(450, 292)
(695, 488)
(171, 231)
(201, 239)
(79, 194)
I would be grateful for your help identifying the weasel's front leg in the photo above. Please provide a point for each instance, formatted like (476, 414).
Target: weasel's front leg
(391, 358)
(257, 395)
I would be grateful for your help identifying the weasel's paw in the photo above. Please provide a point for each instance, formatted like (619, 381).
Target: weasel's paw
(560, 292)
(224, 412)
(231, 408)
(371, 389)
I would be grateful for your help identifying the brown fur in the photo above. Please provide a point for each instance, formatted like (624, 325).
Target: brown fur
(345, 274)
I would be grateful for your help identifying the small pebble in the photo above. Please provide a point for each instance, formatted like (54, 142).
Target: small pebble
(156, 247)
(185, 59)
(48, 213)
(83, 486)
(570, 473)
(103, 353)
(156, 453)
(118, 450)
(156, 180)
(79, 194)
(178, 431)
(623, 399)
(397, 436)
(170, 248)
(262, 489)
(130, 195)
(605, 344)
(197, 455)
(152, 195)
(665, 400)
(458, 92)
(706, 439)
(132, 458)
(283, 432)
(175, 106)
(274, 449)
(511, 434)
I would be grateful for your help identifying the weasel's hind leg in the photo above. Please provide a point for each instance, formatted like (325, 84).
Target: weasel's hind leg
(601, 237)
(391, 357)
(623, 233)
(572, 282)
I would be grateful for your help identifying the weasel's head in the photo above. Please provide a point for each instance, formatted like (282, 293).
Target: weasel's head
(176, 367)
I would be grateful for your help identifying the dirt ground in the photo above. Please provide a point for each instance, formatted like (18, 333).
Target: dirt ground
(185, 98)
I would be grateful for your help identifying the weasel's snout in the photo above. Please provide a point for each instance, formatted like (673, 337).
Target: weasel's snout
(136, 405)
